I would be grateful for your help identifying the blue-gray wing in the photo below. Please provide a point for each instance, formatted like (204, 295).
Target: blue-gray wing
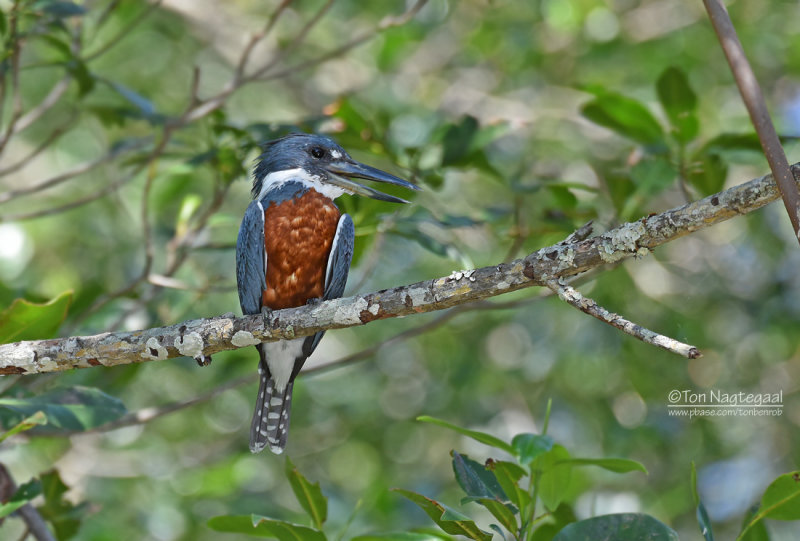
(336, 272)
(339, 259)
(251, 259)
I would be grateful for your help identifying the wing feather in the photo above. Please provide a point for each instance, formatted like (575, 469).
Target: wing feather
(336, 272)
(251, 259)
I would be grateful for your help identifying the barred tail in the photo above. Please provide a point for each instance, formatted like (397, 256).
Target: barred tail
(270, 424)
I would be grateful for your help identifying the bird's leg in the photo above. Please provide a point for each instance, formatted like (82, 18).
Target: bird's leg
(313, 301)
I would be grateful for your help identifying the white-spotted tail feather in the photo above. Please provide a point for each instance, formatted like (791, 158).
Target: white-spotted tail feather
(270, 426)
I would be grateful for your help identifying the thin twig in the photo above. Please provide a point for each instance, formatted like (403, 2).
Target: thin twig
(126, 31)
(114, 186)
(244, 58)
(44, 145)
(16, 97)
(385, 24)
(79, 169)
(52, 98)
(294, 44)
(36, 525)
(146, 415)
(106, 13)
(586, 305)
(757, 108)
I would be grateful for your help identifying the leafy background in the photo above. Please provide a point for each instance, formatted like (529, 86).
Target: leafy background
(522, 120)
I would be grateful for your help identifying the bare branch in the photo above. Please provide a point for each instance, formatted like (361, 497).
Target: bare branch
(127, 30)
(16, 97)
(203, 337)
(44, 145)
(586, 305)
(294, 44)
(387, 22)
(37, 527)
(45, 105)
(757, 108)
(256, 38)
(79, 169)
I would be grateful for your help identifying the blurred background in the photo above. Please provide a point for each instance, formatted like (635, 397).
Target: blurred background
(130, 129)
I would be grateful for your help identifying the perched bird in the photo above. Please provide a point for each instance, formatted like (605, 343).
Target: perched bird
(295, 247)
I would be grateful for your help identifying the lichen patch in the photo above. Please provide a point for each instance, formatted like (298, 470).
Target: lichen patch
(190, 345)
(244, 338)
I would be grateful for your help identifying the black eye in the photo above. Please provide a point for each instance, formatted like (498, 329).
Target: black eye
(317, 152)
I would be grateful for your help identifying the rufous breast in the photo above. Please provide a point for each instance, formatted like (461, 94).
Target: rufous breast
(298, 234)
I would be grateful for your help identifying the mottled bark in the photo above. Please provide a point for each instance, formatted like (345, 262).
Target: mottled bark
(201, 338)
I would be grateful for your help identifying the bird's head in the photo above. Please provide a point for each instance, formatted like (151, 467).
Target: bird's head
(322, 160)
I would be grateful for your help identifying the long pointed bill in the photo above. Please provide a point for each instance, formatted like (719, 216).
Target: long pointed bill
(350, 186)
(340, 170)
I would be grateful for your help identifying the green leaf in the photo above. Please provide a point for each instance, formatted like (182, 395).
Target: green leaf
(781, 500)
(25, 320)
(144, 107)
(82, 75)
(625, 116)
(401, 536)
(693, 481)
(65, 517)
(482, 437)
(553, 523)
(621, 527)
(679, 102)
(529, 446)
(556, 473)
(734, 141)
(708, 173)
(308, 495)
(476, 480)
(702, 516)
(508, 475)
(23, 495)
(449, 520)
(653, 175)
(58, 44)
(704, 522)
(61, 9)
(72, 408)
(501, 512)
(38, 418)
(618, 465)
(758, 531)
(457, 140)
(674, 92)
(258, 526)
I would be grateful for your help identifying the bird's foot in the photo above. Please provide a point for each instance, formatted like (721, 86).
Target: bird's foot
(313, 301)
(203, 360)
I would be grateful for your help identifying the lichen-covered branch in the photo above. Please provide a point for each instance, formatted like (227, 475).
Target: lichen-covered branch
(201, 338)
(586, 305)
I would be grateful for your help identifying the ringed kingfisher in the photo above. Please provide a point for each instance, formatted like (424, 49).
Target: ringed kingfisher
(294, 248)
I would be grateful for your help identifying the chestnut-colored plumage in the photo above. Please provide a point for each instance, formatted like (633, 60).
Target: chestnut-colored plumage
(298, 235)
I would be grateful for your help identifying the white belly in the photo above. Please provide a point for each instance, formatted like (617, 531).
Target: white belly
(280, 359)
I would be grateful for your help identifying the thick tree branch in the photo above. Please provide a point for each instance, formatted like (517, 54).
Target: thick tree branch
(203, 337)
